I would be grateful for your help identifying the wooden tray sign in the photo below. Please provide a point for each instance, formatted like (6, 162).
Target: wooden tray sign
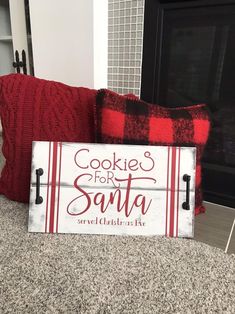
(112, 189)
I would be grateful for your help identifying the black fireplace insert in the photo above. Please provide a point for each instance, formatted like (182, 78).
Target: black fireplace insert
(189, 58)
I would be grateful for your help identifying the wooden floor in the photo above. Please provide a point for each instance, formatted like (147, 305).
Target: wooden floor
(214, 227)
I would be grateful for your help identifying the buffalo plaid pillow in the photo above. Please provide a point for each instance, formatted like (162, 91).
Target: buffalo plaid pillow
(125, 120)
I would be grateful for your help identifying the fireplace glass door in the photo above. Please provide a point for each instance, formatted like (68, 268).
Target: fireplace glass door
(197, 65)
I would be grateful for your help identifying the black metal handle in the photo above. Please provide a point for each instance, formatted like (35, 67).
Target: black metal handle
(187, 179)
(24, 64)
(20, 64)
(39, 173)
(17, 64)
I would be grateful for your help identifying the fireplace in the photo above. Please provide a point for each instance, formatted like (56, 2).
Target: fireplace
(189, 58)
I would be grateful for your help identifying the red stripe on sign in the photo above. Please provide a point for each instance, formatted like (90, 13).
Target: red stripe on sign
(53, 187)
(178, 187)
(58, 197)
(48, 179)
(167, 188)
(172, 198)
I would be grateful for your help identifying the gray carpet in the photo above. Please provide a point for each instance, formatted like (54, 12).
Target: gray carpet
(42, 273)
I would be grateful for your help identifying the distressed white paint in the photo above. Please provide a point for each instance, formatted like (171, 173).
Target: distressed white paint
(77, 170)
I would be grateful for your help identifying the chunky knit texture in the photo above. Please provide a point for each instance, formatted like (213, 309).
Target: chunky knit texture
(33, 109)
(124, 120)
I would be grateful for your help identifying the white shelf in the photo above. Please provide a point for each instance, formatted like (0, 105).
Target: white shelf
(6, 38)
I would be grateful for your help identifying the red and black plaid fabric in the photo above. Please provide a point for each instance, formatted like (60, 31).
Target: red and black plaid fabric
(124, 120)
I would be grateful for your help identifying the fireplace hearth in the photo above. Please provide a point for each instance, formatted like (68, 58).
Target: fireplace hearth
(189, 58)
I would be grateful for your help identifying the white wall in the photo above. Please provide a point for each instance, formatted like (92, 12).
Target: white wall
(64, 46)
(100, 10)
